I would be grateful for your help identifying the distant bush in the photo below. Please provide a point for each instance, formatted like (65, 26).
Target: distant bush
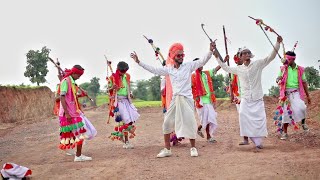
(21, 86)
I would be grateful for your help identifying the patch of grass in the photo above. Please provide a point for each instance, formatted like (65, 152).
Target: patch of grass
(141, 104)
(102, 99)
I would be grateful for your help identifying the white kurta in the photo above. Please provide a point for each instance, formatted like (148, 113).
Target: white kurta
(180, 115)
(180, 77)
(298, 107)
(252, 116)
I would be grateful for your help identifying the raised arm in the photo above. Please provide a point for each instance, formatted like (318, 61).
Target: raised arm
(264, 62)
(226, 68)
(158, 71)
(196, 64)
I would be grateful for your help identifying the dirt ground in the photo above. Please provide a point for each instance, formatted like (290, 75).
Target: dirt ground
(35, 145)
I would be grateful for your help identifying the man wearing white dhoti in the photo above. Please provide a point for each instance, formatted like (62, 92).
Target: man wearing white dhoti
(293, 86)
(252, 115)
(204, 97)
(236, 91)
(125, 112)
(180, 114)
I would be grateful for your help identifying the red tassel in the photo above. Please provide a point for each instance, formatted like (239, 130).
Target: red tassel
(28, 173)
(81, 130)
(8, 166)
(61, 146)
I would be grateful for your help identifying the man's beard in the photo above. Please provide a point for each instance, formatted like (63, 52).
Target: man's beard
(178, 62)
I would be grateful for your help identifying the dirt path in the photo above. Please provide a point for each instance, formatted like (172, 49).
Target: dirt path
(35, 146)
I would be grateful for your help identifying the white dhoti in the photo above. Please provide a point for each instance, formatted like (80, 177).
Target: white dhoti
(208, 116)
(180, 118)
(127, 110)
(252, 119)
(91, 131)
(298, 108)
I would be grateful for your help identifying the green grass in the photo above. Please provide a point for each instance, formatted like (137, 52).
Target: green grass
(141, 104)
(104, 99)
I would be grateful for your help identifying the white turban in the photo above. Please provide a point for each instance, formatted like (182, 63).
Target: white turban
(245, 48)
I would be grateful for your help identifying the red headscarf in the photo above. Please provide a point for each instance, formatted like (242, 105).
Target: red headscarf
(236, 59)
(117, 78)
(74, 70)
(170, 62)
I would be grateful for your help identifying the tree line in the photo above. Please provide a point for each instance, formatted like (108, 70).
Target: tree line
(148, 90)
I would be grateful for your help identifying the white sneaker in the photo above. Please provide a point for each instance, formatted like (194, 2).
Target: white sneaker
(127, 145)
(164, 153)
(194, 152)
(70, 152)
(82, 158)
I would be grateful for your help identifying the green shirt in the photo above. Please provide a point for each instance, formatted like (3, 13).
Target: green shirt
(206, 98)
(293, 81)
(122, 91)
(64, 86)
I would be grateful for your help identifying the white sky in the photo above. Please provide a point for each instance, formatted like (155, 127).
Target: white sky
(81, 32)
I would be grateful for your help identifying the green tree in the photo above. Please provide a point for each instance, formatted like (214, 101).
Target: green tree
(92, 88)
(153, 87)
(313, 77)
(85, 85)
(141, 90)
(219, 85)
(274, 91)
(36, 69)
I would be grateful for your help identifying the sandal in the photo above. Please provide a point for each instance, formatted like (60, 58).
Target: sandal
(200, 133)
(211, 140)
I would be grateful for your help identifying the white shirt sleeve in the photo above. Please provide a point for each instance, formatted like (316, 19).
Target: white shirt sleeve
(232, 70)
(196, 64)
(264, 62)
(158, 71)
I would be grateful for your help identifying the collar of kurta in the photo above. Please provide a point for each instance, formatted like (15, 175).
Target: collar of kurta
(183, 64)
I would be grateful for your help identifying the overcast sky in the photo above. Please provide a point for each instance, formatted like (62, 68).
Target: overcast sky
(82, 31)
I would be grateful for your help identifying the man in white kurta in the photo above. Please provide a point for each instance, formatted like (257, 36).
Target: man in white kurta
(180, 114)
(252, 115)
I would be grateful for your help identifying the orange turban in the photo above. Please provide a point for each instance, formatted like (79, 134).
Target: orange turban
(170, 62)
